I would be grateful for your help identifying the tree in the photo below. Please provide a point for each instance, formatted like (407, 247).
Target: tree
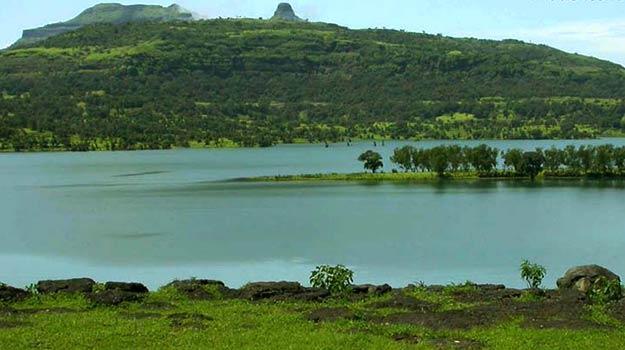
(585, 155)
(571, 158)
(533, 163)
(421, 160)
(403, 157)
(619, 158)
(513, 158)
(554, 159)
(603, 160)
(372, 160)
(439, 160)
(483, 158)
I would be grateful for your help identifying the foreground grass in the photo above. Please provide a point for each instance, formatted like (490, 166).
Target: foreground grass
(166, 321)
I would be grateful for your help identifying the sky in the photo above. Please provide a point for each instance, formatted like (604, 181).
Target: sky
(590, 27)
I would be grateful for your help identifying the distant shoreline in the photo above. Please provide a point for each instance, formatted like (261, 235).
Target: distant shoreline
(420, 177)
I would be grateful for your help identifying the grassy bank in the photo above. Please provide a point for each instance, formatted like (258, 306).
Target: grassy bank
(421, 177)
(453, 317)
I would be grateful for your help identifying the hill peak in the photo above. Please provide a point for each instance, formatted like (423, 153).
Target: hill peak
(285, 12)
(114, 13)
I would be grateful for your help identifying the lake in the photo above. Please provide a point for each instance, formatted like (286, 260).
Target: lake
(155, 216)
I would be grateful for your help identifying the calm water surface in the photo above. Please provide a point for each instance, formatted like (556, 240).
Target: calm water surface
(158, 215)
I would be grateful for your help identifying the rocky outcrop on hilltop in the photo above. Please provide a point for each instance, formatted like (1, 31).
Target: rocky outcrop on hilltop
(285, 12)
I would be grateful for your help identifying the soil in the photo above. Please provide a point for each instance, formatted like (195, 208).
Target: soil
(191, 321)
(486, 307)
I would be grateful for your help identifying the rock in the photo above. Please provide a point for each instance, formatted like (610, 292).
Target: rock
(308, 295)
(200, 289)
(435, 288)
(285, 12)
(581, 278)
(331, 314)
(8, 293)
(371, 289)
(77, 285)
(131, 287)
(115, 297)
(490, 287)
(267, 290)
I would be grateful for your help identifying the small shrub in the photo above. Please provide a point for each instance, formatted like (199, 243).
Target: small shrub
(336, 279)
(605, 290)
(533, 274)
(98, 288)
(465, 287)
(32, 289)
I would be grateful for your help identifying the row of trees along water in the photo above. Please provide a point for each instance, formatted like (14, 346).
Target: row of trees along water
(603, 160)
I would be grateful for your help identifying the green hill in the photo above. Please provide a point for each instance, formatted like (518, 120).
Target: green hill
(107, 13)
(227, 82)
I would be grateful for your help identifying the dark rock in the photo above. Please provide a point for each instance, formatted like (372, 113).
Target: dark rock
(332, 314)
(285, 12)
(115, 297)
(131, 287)
(581, 278)
(571, 296)
(490, 287)
(435, 288)
(308, 294)
(77, 285)
(401, 301)
(268, 290)
(371, 289)
(189, 320)
(8, 293)
(199, 289)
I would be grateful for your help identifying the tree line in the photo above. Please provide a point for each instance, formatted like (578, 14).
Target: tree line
(585, 160)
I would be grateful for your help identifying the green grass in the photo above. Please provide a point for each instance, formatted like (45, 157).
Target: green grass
(168, 320)
(378, 177)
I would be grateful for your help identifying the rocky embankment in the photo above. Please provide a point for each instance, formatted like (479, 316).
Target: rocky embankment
(573, 288)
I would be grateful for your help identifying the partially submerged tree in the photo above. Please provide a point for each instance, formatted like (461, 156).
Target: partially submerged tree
(533, 163)
(372, 160)
(403, 157)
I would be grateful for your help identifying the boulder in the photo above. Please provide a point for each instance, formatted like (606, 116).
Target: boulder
(131, 287)
(200, 289)
(268, 290)
(371, 289)
(114, 297)
(8, 293)
(581, 278)
(308, 295)
(77, 285)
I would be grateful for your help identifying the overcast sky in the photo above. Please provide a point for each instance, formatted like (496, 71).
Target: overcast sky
(590, 27)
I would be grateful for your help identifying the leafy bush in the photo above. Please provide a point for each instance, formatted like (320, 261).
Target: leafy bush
(335, 279)
(98, 288)
(31, 288)
(605, 290)
(532, 273)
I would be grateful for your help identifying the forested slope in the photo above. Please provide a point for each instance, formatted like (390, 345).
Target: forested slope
(252, 82)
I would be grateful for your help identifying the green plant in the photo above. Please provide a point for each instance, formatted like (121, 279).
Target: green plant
(335, 279)
(98, 288)
(31, 288)
(605, 290)
(532, 273)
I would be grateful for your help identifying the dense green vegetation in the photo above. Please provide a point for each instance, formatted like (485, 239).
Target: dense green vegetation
(483, 161)
(604, 160)
(225, 82)
(106, 13)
